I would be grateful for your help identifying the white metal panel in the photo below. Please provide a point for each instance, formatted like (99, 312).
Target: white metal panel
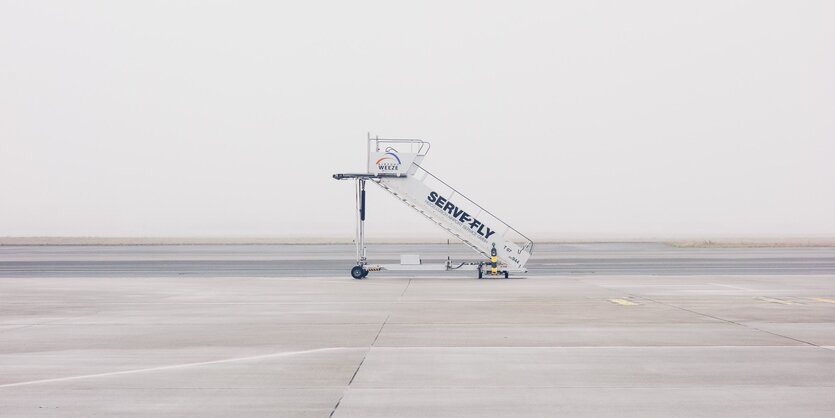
(409, 259)
(390, 162)
(450, 211)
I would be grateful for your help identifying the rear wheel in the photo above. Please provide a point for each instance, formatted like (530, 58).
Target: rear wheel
(358, 272)
(505, 275)
(480, 273)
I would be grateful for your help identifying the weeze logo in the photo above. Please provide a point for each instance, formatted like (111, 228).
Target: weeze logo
(388, 162)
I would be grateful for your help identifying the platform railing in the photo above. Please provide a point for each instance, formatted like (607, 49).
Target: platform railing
(415, 146)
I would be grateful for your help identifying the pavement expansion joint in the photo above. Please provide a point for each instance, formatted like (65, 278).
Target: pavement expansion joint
(739, 324)
(363, 359)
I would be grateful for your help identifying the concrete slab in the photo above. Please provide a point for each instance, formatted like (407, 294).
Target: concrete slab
(167, 401)
(563, 311)
(252, 336)
(737, 402)
(754, 308)
(818, 333)
(145, 338)
(596, 367)
(594, 335)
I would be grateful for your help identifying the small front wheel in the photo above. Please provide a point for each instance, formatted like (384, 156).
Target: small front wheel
(358, 272)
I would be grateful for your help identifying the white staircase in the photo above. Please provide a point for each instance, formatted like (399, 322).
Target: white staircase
(401, 174)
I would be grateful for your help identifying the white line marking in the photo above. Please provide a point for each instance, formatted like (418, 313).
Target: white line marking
(176, 366)
(733, 287)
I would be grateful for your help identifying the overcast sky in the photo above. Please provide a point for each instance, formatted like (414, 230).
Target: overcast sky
(581, 119)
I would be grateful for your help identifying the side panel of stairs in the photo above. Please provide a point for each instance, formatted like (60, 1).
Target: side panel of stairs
(459, 216)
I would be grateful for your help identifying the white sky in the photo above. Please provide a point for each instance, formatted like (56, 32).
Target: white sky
(572, 120)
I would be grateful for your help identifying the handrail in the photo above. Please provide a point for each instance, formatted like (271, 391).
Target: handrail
(421, 151)
(528, 243)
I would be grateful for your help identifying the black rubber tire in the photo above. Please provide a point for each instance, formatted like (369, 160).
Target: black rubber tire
(358, 272)
(480, 274)
(364, 273)
(506, 275)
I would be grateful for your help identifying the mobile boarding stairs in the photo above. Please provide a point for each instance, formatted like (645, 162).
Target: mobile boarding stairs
(395, 165)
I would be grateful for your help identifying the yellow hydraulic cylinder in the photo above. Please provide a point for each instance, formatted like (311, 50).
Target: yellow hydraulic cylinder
(494, 261)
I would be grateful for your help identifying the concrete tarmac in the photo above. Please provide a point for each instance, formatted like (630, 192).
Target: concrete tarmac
(123, 331)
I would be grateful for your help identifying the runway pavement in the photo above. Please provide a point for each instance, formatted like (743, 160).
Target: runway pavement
(319, 260)
(641, 330)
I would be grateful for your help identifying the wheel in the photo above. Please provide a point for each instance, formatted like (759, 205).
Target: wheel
(364, 273)
(480, 274)
(358, 272)
(505, 275)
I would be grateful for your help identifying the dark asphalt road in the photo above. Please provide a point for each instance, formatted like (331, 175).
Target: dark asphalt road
(329, 260)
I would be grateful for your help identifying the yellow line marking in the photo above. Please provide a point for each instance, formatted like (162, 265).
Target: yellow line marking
(623, 302)
(827, 300)
(772, 300)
